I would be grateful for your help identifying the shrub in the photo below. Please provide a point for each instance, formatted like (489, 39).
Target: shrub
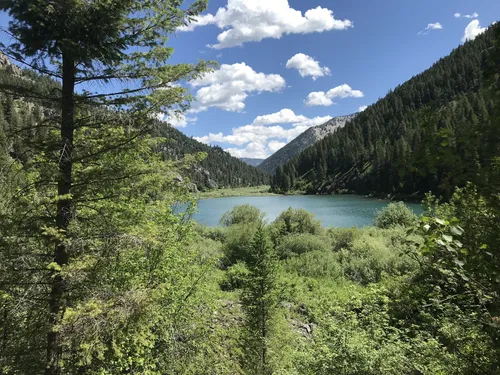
(342, 238)
(296, 244)
(216, 234)
(234, 277)
(315, 264)
(294, 221)
(374, 252)
(395, 214)
(237, 243)
(244, 214)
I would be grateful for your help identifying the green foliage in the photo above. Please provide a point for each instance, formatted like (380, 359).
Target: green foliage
(259, 300)
(217, 170)
(433, 133)
(235, 277)
(358, 338)
(315, 264)
(372, 253)
(395, 214)
(238, 242)
(294, 221)
(244, 214)
(296, 244)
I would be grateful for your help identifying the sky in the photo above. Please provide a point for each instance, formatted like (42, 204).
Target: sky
(286, 65)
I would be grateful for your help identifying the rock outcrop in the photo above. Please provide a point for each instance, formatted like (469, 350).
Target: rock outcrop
(303, 141)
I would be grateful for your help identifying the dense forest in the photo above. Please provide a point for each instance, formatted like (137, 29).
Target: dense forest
(104, 272)
(432, 133)
(21, 128)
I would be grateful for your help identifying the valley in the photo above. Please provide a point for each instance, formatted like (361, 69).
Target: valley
(216, 187)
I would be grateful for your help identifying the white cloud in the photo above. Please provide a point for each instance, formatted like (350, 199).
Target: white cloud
(472, 30)
(176, 120)
(430, 26)
(320, 98)
(285, 116)
(275, 146)
(362, 108)
(260, 140)
(473, 15)
(434, 26)
(307, 66)
(228, 87)
(252, 21)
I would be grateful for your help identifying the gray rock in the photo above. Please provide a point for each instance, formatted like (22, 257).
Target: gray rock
(6, 64)
(303, 141)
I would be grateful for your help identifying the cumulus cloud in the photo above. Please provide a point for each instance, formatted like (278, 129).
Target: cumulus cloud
(362, 108)
(307, 66)
(472, 30)
(177, 120)
(320, 98)
(252, 21)
(285, 116)
(457, 15)
(260, 139)
(430, 27)
(228, 87)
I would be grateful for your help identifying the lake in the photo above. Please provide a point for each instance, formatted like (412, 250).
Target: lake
(344, 211)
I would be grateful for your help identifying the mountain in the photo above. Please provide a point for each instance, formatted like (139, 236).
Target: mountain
(432, 133)
(218, 169)
(252, 161)
(303, 141)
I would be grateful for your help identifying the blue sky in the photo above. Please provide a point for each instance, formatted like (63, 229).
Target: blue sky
(286, 65)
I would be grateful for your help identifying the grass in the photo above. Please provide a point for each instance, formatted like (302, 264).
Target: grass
(254, 191)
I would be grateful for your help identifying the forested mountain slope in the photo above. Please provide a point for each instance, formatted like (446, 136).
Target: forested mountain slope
(303, 141)
(21, 124)
(252, 161)
(432, 133)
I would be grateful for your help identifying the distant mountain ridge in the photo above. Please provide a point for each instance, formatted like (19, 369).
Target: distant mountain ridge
(254, 162)
(303, 141)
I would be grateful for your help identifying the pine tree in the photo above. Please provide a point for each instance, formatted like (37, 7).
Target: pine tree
(259, 302)
(128, 46)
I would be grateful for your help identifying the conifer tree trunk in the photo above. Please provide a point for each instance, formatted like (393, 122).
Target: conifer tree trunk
(64, 213)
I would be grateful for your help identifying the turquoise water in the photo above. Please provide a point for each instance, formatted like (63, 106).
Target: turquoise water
(332, 210)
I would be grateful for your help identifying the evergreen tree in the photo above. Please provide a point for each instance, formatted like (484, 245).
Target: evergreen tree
(432, 133)
(259, 302)
(128, 46)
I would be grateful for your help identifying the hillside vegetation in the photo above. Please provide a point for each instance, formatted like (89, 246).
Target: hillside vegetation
(21, 127)
(103, 272)
(432, 133)
(303, 141)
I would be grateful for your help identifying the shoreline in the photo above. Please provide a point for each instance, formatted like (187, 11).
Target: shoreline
(263, 191)
(252, 191)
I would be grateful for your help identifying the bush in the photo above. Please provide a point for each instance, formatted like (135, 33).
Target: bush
(244, 214)
(234, 277)
(395, 214)
(294, 221)
(216, 234)
(375, 252)
(238, 241)
(342, 238)
(315, 264)
(296, 244)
